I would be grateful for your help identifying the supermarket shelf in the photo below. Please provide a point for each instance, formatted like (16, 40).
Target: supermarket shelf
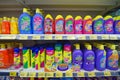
(95, 73)
(61, 37)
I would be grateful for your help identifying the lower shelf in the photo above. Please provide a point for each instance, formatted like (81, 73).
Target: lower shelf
(40, 73)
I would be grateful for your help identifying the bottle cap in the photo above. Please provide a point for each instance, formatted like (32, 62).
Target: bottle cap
(48, 16)
(88, 46)
(100, 46)
(78, 17)
(77, 46)
(8, 19)
(2, 46)
(107, 17)
(25, 10)
(5, 18)
(87, 17)
(13, 19)
(59, 16)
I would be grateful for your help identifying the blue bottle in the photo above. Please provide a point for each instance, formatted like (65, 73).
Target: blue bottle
(117, 25)
(100, 55)
(37, 22)
(25, 20)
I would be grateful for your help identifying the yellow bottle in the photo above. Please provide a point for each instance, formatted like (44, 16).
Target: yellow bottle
(14, 26)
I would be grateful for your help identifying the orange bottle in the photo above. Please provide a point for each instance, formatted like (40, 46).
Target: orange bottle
(4, 57)
(0, 25)
(6, 25)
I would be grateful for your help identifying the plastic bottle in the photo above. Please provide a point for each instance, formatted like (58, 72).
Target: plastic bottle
(26, 57)
(89, 58)
(13, 26)
(25, 20)
(42, 57)
(87, 25)
(77, 58)
(4, 57)
(100, 58)
(0, 25)
(117, 25)
(108, 25)
(59, 24)
(69, 24)
(58, 54)
(112, 57)
(98, 25)
(49, 59)
(33, 57)
(37, 59)
(49, 24)
(5, 26)
(78, 25)
(38, 22)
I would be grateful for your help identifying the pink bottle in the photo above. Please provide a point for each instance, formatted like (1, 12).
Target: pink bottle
(78, 25)
(69, 25)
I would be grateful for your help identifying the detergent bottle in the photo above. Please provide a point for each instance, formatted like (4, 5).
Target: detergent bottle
(5, 26)
(87, 25)
(37, 22)
(78, 25)
(49, 24)
(58, 54)
(100, 55)
(21, 56)
(77, 58)
(112, 57)
(33, 57)
(42, 56)
(0, 25)
(16, 19)
(25, 20)
(98, 25)
(59, 24)
(14, 26)
(69, 25)
(4, 57)
(117, 25)
(88, 58)
(108, 25)
(49, 59)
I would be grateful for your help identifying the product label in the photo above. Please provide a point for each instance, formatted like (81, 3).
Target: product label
(109, 25)
(98, 25)
(117, 26)
(32, 59)
(38, 24)
(113, 59)
(58, 57)
(26, 60)
(48, 25)
(90, 59)
(88, 26)
(25, 23)
(103, 60)
(67, 57)
(42, 57)
(69, 26)
(16, 58)
(37, 60)
(78, 26)
(59, 26)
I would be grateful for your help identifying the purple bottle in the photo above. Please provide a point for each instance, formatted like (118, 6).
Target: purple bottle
(89, 58)
(117, 25)
(100, 55)
(77, 58)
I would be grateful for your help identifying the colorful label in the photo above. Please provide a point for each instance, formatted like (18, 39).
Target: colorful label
(38, 24)
(67, 57)
(78, 26)
(37, 60)
(42, 57)
(16, 59)
(117, 26)
(90, 59)
(88, 26)
(103, 60)
(109, 25)
(69, 26)
(25, 23)
(26, 59)
(48, 25)
(98, 25)
(58, 57)
(32, 59)
(113, 59)
(59, 25)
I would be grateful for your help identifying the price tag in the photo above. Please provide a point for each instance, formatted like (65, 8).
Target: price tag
(48, 37)
(113, 37)
(93, 37)
(69, 74)
(13, 74)
(50, 74)
(32, 74)
(23, 37)
(58, 37)
(59, 74)
(91, 74)
(107, 73)
(70, 37)
(80, 74)
(82, 37)
(23, 74)
(41, 74)
(105, 36)
(36, 37)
